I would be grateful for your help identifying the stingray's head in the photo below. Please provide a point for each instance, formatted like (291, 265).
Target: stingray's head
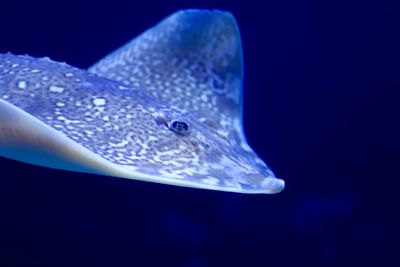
(201, 151)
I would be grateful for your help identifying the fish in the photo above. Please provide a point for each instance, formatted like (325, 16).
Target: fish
(166, 107)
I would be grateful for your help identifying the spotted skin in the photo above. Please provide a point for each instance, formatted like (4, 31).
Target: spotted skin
(195, 70)
(130, 123)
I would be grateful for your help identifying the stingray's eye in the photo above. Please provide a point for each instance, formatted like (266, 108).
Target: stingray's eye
(179, 127)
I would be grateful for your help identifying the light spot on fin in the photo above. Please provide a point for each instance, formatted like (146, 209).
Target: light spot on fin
(56, 89)
(99, 102)
(22, 84)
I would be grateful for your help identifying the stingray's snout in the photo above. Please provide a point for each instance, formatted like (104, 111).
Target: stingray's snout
(273, 185)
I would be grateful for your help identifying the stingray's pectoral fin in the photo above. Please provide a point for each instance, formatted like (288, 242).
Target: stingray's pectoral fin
(25, 138)
(191, 60)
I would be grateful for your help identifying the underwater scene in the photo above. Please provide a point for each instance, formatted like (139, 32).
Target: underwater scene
(189, 133)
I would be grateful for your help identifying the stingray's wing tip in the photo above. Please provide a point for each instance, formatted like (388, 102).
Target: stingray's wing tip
(273, 185)
(269, 185)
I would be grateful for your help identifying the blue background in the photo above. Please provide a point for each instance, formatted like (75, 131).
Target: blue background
(321, 79)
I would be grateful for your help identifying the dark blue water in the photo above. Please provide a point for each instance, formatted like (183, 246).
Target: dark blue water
(320, 108)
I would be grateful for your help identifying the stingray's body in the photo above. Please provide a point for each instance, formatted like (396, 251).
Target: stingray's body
(164, 108)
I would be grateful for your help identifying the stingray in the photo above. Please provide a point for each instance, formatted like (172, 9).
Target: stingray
(165, 108)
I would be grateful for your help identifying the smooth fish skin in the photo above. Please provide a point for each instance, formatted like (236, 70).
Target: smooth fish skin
(165, 108)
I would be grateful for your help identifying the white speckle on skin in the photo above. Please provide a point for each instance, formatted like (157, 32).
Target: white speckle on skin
(14, 65)
(59, 104)
(22, 84)
(67, 121)
(56, 89)
(99, 101)
(120, 144)
(122, 87)
(204, 98)
(88, 132)
(68, 74)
